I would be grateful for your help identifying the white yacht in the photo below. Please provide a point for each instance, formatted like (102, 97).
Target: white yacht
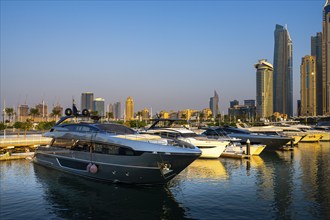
(168, 128)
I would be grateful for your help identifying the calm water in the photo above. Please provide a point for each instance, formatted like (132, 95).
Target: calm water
(277, 185)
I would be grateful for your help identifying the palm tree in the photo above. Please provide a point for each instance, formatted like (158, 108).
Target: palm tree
(18, 125)
(56, 113)
(34, 112)
(10, 112)
(26, 126)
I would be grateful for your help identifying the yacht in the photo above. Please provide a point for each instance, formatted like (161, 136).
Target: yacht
(272, 142)
(112, 152)
(169, 128)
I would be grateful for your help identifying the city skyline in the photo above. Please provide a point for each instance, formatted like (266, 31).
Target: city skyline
(166, 55)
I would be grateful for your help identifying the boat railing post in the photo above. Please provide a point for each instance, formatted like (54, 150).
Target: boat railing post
(248, 147)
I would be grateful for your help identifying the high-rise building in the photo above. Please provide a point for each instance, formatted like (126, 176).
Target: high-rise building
(308, 86)
(87, 101)
(98, 106)
(282, 79)
(129, 110)
(42, 109)
(233, 103)
(23, 110)
(326, 58)
(214, 104)
(117, 110)
(163, 114)
(264, 83)
(145, 114)
(250, 102)
(316, 51)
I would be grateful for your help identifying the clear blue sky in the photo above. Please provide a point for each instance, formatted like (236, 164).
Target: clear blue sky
(167, 55)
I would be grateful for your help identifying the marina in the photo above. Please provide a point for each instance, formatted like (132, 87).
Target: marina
(274, 185)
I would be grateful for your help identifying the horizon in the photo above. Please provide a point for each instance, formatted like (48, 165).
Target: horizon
(166, 55)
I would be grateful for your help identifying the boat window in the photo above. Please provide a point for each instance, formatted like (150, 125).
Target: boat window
(84, 128)
(82, 146)
(71, 127)
(211, 133)
(115, 128)
(113, 150)
(167, 134)
(188, 135)
(63, 143)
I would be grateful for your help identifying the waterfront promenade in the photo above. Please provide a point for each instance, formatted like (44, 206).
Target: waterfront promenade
(28, 142)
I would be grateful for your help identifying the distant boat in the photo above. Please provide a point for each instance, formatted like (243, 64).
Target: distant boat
(112, 152)
(272, 142)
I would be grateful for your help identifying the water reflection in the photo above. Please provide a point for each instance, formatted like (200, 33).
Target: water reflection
(204, 169)
(315, 177)
(73, 197)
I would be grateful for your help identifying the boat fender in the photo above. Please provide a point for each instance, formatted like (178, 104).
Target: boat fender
(93, 169)
(89, 167)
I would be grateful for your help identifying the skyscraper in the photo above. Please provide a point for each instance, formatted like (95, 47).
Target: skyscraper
(117, 110)
(98, 106)
(129, 109)
(282, 78)
(326, 58)
(316, 51)
(214, 104)
(87, 101)
(308, 86)
(264, 83)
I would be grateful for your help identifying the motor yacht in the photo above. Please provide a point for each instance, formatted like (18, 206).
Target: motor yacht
(112, 152)
(169, 128)
(272, 142)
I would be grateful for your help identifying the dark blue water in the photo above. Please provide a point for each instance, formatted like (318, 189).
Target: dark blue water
(277, 185)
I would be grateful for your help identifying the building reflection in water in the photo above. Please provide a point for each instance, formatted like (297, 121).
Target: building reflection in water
(73, 197)
(315, 177)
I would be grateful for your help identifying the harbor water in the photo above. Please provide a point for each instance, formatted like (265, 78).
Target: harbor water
(275, 185)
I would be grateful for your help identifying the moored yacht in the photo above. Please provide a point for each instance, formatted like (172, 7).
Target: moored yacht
(113, 152)
(272, 142)
(167, 128)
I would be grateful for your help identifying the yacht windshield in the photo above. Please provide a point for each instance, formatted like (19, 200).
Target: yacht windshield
(188, 135)
(115, 128)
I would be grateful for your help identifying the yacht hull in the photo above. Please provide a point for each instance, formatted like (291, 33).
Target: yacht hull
(147, 169)
(271, 142)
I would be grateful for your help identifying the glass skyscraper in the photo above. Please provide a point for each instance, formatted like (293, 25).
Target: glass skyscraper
(316, 51)
(117, 110)
(87, 101)
(98, 106)
(282, 79)
(326, 58)
(214, 104)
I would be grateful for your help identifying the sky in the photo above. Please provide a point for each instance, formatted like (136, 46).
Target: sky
(166, 55)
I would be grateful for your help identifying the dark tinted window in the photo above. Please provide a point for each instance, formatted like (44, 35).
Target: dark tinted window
(115, 128)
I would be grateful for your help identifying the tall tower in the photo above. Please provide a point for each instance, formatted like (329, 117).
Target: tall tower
(214, 104)
(129, 109)
(316, 51)
(87, 101)
(282, 83)
(264, 83)
(326, 58)
(98, 106)
(117, 110)
(308, 86)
